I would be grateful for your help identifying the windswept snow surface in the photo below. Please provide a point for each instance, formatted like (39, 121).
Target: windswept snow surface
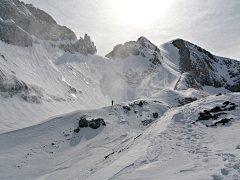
(54, 88)
(170, 147)
(59, 82)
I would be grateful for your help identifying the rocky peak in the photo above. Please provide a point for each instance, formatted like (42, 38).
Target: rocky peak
(200, 68)
(141, 47)
(84, 46)
(145, 43)
(22, 24)
(29, 21)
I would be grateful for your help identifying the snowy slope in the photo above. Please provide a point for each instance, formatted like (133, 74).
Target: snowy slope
(42, 81)
(50, 82)
(170, 147)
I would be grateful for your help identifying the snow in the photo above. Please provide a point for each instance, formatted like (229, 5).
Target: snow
(169, 148)
(37, 140)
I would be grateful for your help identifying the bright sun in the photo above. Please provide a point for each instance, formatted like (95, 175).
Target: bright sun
(139, 12)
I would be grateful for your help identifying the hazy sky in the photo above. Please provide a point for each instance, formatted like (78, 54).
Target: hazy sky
(211, 24)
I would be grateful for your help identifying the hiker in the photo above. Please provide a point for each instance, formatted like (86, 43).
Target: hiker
(112, 102)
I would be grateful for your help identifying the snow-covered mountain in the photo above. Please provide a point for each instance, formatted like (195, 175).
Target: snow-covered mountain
(199, 68)
(56, 118)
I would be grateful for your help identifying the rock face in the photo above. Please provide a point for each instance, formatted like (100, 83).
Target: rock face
(199, 68)
(123, 51)
(32, 21)
(11, 33)
(23, 24)
(141, 47)
(84, 46)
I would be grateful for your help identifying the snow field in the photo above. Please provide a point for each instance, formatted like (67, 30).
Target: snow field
(171, 147)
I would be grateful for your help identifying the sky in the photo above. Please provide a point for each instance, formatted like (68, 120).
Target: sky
(211, 24)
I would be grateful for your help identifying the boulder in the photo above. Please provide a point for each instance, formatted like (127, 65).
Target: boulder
(77, 130)
(147, 122)
(96, 123)
(140, 103)
(216, 109)
(83, 122)
(155, 115)
(205, 116)
(127, 108)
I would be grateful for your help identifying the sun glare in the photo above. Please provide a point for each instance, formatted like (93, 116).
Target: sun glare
(139, 12)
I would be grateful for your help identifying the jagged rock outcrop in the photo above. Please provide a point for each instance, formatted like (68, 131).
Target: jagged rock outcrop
(11, 85)
(84, 46)
(199, 68)
(141, 47)
(123, 51)
(23, 24)
(32, 21)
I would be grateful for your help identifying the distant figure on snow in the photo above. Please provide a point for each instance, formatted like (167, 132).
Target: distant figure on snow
(112, 102)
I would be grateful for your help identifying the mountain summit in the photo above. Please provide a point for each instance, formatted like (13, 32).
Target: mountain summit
(200, 68)
(142, 112)
(23, 24)
(141, 47)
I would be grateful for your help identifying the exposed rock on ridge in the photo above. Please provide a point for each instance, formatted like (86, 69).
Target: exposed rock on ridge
(144, 52)
(33, 21)
(199, 68)
(141, 47)
(11, 33)
(23, 24)
(84, 46)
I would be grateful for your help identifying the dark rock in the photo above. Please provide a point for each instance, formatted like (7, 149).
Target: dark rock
(2, 56)
(184, 61)
(186, 100)
(24, 97)
(140, 47)
(155, 115)
(200, 67)
(32, 21)
(72, 90)
(219, 94)
(204, 116)
(84, 46)
(223, 121)
(232, 108)
(225, 104)
(96, 123)
(127, 108)
(137, 136)
(83, 122)
(216, 109)
(146, 122)
(76, 130)
(23, 24)
(140, 103)
(11, 33)
(109, 155)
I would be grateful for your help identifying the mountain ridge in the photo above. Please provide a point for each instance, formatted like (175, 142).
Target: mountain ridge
(142, 112)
